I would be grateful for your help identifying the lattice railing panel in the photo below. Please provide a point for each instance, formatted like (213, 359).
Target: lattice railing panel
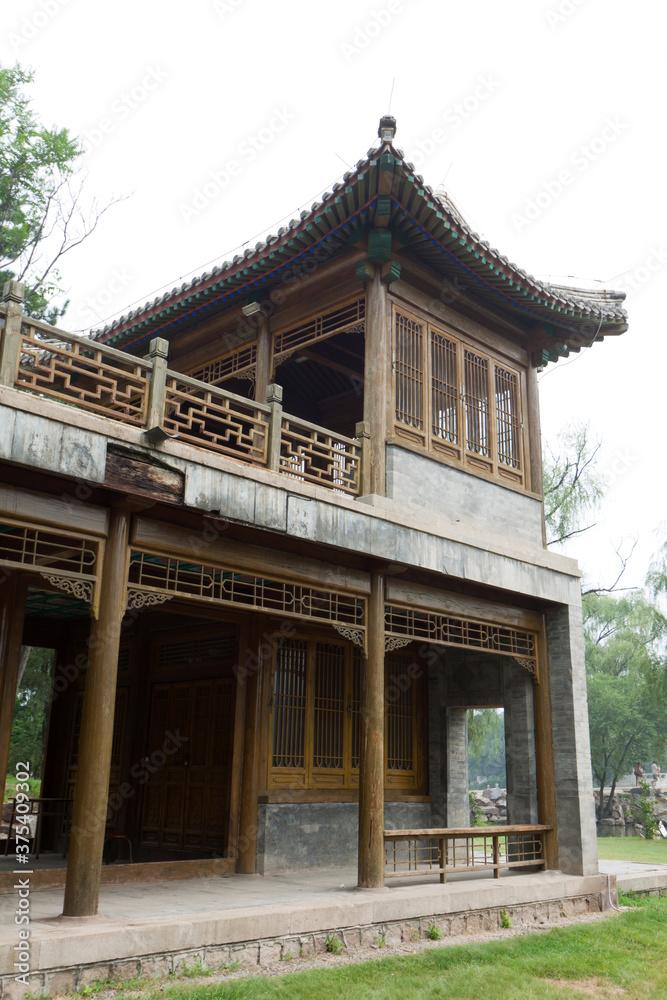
(449, 630)
(420, 852)
(162, 574)
(214, 419)
(346, 319)
(314, 455)
(83, 373)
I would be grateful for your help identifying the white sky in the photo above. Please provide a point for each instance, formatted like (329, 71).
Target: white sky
(498, 98)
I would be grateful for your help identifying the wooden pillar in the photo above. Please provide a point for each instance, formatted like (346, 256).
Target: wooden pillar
(371, 746)
(377, 377)
(533, 435)
(82, 886)
(544, 754)
(250, 674)
(13, 590)
(264, 359)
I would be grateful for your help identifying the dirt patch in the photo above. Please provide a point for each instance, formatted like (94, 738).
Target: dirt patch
(590, 987)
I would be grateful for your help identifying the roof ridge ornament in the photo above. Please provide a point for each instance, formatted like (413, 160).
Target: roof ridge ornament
(387, 129)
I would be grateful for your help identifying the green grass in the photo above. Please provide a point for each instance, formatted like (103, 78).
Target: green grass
(10, 788)
(623, 953)
(633, 849)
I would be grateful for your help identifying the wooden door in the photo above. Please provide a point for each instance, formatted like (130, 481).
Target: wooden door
(188, 766)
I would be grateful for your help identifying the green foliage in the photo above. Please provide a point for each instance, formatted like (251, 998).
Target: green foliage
(486, 745)
(477, 817)
(505, 919)
(625, 668)
(434, 933)
(643, 811)
(31, 712)
(333, 945)
(572, 486)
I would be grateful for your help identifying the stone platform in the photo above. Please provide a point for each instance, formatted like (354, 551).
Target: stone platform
(150, 928)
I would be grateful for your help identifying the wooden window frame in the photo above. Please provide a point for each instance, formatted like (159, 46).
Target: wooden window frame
(316, 778)
(502, 451)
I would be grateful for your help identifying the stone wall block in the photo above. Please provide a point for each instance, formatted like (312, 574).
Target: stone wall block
(245, 954)
(270, 952)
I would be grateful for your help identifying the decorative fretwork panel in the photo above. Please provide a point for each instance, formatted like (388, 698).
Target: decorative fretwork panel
(231, 366)
(315, 456)
(449, 630)
(217, 420)
(329, 708)
(83, 373)
(157, 573)
(345, 319)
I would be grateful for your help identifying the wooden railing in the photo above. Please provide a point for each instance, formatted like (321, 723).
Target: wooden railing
(50, 363)
(463, 849)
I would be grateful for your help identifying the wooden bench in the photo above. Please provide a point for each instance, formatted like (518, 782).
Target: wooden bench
(465, 848)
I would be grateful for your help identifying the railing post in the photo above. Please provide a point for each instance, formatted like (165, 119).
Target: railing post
(158, 353)
(362, 431)
(274, 397)
(10, 348)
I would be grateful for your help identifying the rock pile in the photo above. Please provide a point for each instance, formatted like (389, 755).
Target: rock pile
(491, 804)
(622, 813)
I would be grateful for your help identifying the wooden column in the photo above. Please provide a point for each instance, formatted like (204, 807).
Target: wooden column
(534, 436)
(13, 591)
(264, 359)
(371, 746)
(250, 674)
(82, 886)
(377, 377)
(544, 754)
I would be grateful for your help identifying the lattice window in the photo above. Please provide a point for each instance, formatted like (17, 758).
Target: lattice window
(409, 369)
(508, 417)
(289, 705)
(444, 388)
(455, 401)
(477, 403)
(316, 720)
(239, 364)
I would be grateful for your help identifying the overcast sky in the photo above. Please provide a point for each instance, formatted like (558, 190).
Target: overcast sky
(216, 120)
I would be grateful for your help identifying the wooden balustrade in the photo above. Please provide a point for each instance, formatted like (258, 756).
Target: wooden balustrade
(470, 849)
(51, 363)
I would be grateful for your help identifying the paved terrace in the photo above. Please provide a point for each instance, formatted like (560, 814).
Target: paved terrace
(149, 927)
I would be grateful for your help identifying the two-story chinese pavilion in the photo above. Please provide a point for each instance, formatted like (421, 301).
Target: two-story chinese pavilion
(283, 527)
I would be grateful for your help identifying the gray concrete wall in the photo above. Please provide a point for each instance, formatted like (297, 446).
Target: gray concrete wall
(423, 482)
(520, 761)
(575, 809)
(458, 801)
(301, 835)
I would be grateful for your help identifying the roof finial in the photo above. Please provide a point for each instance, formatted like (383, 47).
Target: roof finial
(387, 129)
